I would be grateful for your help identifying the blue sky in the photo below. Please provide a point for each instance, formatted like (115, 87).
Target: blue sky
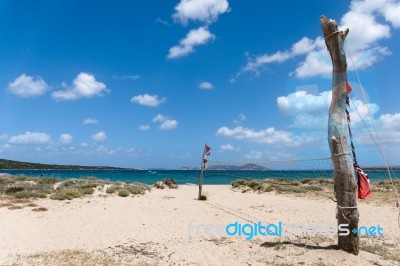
(147, 83)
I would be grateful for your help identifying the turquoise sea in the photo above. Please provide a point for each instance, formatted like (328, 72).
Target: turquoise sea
(188, 176)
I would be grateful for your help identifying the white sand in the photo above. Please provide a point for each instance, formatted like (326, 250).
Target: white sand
(154, 228)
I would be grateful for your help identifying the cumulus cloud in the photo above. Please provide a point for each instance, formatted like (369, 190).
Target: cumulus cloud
(144, 127)
(256, 64)
(388, 131)
(131, 77)
(363, 18)
(205, 85)
(240, 118)
(89, 121)
(311, 110)
(30, 138)
(269, 136)
(159, 118)
(84, 85)
(99, 137)
(226, 147)
(65, 138)
(186, 46)
(200, 10)
(168, 124)
(27, 86)
(165, 122)
(148, 100)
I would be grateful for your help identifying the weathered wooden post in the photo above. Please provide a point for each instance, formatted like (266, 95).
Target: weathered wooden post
(345, 183)
(202, 168)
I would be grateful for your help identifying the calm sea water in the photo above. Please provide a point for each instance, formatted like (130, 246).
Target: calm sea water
(185, 177)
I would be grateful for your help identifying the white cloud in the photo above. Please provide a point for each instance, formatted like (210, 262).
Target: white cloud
(302, 101)
(84, 144)
(391, 121)
(269, 136)
(168, 124)
(161, 21)
(200, 10)
(99, 137)
(240, 118)
(65, 138)
(388, 130)
(131, 77)
(159, 118)
(165, 122)
(206, 85)
(227, 147)
(194, 38)
(3, 136)
(148, 100)
(30, 138)
(311, 110)
(27, 86)
(89, 121)
(144, 127)
(253, 155)
(305, 45)
(366, 31)
(85, 85)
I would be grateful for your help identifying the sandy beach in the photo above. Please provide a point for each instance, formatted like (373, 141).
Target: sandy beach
(166, 227)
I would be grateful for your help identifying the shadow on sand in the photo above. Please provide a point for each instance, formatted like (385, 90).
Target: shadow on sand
(301, 245)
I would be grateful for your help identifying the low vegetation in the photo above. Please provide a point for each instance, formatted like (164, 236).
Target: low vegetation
(382, 191)
(388, 251)
(126, 189)
(23, 187)
(282, 185)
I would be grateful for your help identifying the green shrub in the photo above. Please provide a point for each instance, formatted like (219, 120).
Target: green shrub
(58, 196)
(313, 188)
(268, 189)
(48, 180)
(13, 190)
(23, 194)
(68, 183)
(253, 184)
(112, 189)
(86, 190)
(238, 183)
(123, 193)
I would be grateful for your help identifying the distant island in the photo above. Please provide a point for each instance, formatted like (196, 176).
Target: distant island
(249, 166)
(10, 165)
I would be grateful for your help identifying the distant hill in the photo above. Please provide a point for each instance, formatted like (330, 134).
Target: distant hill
(9, 165)
(249, 166)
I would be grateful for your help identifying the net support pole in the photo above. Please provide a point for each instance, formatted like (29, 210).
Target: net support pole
(345, 184)
(201, 174)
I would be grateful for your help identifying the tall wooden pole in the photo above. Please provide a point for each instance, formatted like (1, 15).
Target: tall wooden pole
(201, 174)
(345, 184)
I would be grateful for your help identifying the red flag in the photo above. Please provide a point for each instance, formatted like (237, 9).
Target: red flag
(207, 150)
(364, 189)
(348, 87)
